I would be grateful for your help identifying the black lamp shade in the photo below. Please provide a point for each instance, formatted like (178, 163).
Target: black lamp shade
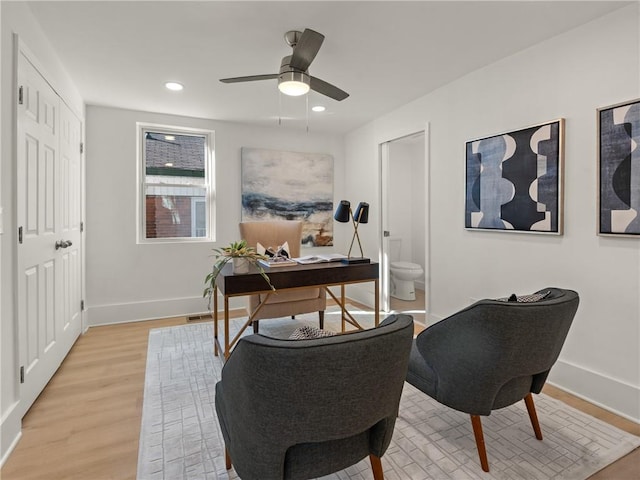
(362, 213)
(343, 212)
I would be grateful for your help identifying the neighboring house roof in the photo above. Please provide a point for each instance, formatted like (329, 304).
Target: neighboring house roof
(174, 155)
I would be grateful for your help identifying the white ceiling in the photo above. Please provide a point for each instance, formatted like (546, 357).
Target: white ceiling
(384, 53)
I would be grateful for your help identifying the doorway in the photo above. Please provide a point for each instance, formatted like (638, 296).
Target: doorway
(404, 236)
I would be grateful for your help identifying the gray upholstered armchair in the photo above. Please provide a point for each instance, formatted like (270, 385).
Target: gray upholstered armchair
(291, 303)
(492, 354)
(299, 409)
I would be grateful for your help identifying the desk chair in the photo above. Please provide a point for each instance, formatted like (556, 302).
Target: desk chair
(281, 304)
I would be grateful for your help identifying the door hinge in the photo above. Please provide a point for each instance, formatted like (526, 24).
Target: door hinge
(22, 374)
(81, 147)
(81, 227)
(20, 95)
(82, 305)
(19, 234)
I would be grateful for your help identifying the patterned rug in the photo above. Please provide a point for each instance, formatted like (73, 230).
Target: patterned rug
(180, 436)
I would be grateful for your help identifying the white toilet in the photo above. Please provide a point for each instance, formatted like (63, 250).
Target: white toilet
(403, 274)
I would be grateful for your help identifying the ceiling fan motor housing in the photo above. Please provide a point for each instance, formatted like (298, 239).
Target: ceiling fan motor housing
(291, 74)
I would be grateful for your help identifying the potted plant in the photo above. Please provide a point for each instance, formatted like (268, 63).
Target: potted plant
(242, 257)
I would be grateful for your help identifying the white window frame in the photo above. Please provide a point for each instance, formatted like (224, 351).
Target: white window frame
(209, 182)
(194, 211)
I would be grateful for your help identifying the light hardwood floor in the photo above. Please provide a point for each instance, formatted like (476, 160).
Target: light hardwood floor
(85, 424)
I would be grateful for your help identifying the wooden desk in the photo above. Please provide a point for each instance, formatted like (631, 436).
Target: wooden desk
(322, 275)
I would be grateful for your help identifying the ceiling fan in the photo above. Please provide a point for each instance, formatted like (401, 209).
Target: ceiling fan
(294, 78)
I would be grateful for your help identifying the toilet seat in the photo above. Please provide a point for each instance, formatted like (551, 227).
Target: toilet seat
(405, 266)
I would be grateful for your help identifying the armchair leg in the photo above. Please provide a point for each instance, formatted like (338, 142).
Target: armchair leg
(256, 325)
(533, 416)
(321, 319)
(477, 432)
(227, 459)
(376, 466)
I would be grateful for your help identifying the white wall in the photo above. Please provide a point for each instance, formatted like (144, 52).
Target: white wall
(126, 281)
(567, 76)
(17, 18)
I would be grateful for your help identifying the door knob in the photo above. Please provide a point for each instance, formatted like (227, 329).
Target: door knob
(63, 244)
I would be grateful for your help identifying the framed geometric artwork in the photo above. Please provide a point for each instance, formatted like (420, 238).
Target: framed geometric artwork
(619, 169)
(279, 185)
(514, 180)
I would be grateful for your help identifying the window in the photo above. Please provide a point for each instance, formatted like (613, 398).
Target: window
(176, 188)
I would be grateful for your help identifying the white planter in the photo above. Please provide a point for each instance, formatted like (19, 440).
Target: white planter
(240, 265)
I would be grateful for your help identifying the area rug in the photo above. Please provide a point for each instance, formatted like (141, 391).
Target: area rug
(180, 437)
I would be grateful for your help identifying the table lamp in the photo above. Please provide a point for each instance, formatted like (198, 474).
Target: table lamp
(344, 214)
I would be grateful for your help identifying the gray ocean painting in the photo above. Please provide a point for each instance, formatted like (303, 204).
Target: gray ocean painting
(280, 185)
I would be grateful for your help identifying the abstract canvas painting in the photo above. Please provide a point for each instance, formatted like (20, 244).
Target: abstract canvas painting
(619, 169)
(279, 185)
(514, 180)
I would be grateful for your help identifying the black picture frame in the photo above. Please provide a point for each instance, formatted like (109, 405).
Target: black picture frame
(514, 180)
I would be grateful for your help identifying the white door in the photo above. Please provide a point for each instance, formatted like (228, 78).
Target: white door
(70, 188)
(385, 304)
(48, 276)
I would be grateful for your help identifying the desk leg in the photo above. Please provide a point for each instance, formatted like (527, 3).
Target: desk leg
(377, 302)
(215, 321)
(226, 328)
(342, 306)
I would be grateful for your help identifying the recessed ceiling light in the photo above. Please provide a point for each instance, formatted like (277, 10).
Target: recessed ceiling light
(169, 138)
(175, 86)
(318, 108)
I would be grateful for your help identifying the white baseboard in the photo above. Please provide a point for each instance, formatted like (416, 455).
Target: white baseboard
(176, 307)
(609, 393)
(10, 433)
(433, 318)
(152, 309)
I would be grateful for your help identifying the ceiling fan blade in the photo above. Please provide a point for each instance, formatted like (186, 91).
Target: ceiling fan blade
(306, 49)
(251, 78)
(327, 89)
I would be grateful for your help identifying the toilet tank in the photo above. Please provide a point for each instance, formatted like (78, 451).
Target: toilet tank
(395, 248)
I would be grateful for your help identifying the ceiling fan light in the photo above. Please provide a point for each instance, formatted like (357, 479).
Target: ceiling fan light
(293, 84)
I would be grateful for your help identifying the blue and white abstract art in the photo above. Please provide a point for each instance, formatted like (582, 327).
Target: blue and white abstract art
(619, 169)
(514, 180)
(279, 185)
